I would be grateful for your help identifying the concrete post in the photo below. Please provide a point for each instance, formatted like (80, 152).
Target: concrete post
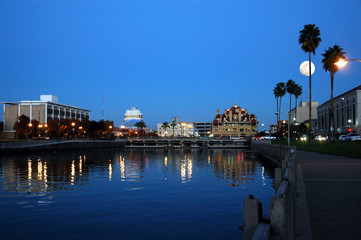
(251, 216)
(278, 178)
(278, 218)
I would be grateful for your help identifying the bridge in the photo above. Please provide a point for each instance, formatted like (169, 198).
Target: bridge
(173, 143)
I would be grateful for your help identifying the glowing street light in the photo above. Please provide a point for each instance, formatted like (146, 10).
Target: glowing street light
(342, 62)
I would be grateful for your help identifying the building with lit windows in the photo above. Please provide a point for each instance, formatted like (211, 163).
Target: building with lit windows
(347, 113)
(43, 110)
(235, 121)
(180, 129)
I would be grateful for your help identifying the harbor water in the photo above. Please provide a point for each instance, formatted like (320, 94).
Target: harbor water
(130, 194)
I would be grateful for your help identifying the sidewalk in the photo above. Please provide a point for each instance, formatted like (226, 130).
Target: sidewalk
(333, 195)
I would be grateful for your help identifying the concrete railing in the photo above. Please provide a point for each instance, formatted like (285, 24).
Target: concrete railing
(273, 152)
(279, 221)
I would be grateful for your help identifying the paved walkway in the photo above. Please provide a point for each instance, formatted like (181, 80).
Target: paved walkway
(333, 196)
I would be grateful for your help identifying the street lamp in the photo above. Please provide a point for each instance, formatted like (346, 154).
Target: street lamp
(73, 125)
(342, 62)
(40, 126)
(31, 126)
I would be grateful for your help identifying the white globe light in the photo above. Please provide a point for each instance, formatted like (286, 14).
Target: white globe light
(304, 68)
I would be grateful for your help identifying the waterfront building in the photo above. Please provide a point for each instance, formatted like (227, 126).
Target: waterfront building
(43, 110)
(131, 117)
(202, 128)
(235, 121)
(180, 129)
(299, 114)
(347, 113)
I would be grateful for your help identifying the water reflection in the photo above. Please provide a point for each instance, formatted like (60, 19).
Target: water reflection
(54, 172)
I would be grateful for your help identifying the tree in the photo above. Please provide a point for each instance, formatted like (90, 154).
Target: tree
(165, 125)
(173, 124)
(330, 57)
(297, 93)
(140, 125)
(290, 88)
(309, 40)
(22, 128)
(279, 91)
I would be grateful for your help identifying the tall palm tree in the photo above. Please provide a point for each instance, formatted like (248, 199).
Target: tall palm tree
(331, 56)
(173, 125)
(309, 40)
(165, 125)
(297, 93)
(290, 88)
(279, 91)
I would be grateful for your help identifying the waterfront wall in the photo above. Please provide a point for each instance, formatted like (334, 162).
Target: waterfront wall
(58, 145)
(279, 221)
(273, 153)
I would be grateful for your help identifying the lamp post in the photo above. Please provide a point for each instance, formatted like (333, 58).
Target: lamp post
(31, 127)
(40, 126)
(73, 125)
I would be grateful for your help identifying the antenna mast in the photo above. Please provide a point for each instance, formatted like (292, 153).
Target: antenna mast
(103, 107)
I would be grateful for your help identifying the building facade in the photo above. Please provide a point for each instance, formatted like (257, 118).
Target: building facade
(202, 128)
(185, 129)
(299, 114)
(43, 110)
(347, 113)
(235, 121)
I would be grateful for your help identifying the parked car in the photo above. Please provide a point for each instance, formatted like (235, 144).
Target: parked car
(353, 137)
(342, 138)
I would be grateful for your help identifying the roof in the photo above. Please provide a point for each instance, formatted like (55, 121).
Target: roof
(44, 102)
(343, 94)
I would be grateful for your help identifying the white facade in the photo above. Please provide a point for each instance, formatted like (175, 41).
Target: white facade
(180, 129)
(347, 113)
(133, 114)
(300, 113)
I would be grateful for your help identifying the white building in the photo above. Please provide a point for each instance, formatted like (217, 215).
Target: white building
(300, 113)
(133, 114)
(347, 112)
(43, 110)
(179, 129)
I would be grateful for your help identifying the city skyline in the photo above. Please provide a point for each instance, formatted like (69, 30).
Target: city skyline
(171, 58)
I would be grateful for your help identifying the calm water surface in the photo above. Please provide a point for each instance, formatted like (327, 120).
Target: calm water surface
(129, 194)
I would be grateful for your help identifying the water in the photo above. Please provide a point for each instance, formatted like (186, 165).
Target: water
(129, 194)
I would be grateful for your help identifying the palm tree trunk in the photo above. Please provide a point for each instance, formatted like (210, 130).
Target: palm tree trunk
(331, 110)
(296, 108)
(289, 122)
(279, 118)
(310, 102)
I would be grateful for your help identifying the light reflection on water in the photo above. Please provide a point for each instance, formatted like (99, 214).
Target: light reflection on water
(136, 194)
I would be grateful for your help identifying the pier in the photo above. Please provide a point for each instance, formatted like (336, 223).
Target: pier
(184, 143)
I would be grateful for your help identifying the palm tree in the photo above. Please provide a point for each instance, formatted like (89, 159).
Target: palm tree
(290, 88)
(140, 125)
(297, 93)
(165, 125)
(279, 91)
(309, 40)
(173, 124)
(331, 56)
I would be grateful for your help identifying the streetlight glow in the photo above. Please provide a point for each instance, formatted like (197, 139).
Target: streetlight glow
(342, 62)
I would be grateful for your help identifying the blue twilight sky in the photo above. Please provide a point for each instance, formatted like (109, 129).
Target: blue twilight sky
(183, 58)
